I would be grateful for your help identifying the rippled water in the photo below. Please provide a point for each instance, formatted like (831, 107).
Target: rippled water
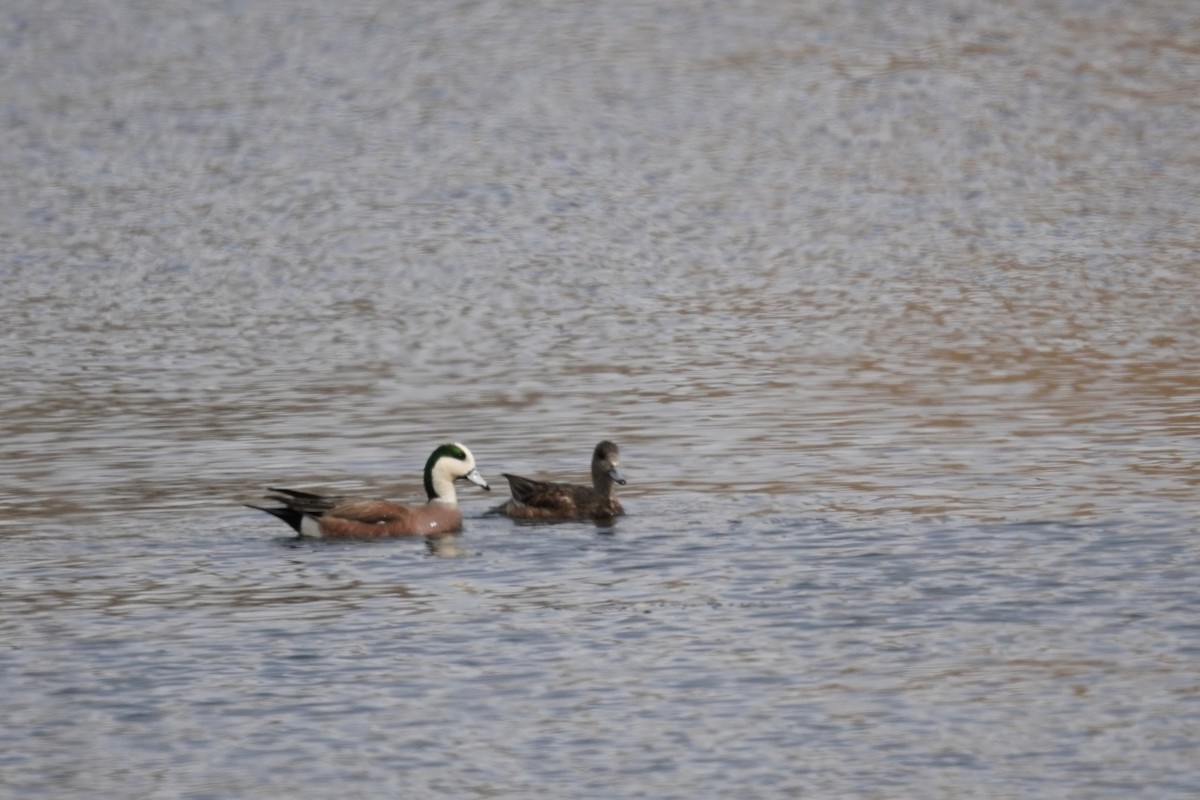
(894, 311)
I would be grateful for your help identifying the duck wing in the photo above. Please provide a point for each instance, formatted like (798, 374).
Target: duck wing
(371, 512)
(564, 497)
(304, 502)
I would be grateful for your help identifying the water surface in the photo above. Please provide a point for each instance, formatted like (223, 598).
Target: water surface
(893, 311)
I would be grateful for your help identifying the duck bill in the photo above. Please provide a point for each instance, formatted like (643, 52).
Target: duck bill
(616, 475)
(474, 477)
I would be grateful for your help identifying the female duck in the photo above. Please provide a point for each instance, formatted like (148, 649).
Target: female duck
(356, 517)
(540, 500)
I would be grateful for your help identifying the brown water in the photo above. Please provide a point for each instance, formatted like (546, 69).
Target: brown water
(894, 311)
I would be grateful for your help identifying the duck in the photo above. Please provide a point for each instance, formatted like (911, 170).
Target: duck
(546, 501)
(322, 516)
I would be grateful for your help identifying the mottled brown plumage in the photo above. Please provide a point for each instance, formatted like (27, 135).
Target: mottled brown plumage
(358, 517)
(543, 500)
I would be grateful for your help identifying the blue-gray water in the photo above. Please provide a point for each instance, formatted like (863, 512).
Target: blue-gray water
(893, 309)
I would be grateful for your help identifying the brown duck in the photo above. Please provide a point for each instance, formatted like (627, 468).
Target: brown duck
(357, 517)
(542, 500)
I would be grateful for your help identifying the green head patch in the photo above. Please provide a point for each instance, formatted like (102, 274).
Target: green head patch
(446, 450)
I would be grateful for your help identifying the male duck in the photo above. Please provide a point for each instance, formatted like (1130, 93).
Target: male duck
(539, 500)
(354, 517)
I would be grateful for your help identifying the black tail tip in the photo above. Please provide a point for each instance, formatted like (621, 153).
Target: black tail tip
(289, 515)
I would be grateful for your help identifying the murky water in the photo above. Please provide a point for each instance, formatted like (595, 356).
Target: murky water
(894, 311)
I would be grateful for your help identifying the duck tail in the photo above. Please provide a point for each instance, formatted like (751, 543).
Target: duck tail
(291, 516)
